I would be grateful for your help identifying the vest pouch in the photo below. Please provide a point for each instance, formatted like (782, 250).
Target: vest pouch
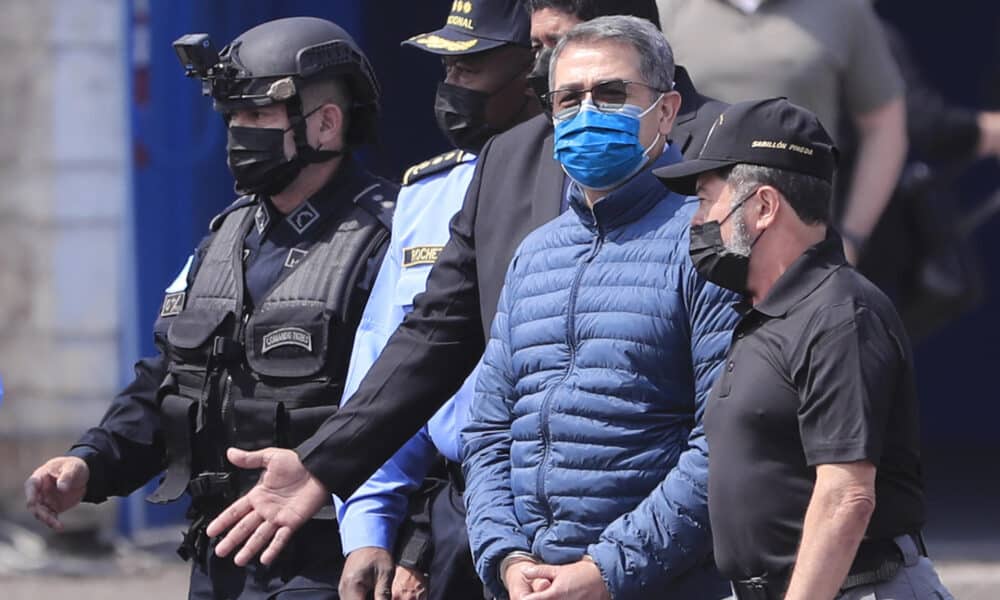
(254, 421)
(295, 425)
(290, 341)
(192, 332)
(177, 415)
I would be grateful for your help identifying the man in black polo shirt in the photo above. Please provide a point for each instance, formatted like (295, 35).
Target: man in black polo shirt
(814, 470)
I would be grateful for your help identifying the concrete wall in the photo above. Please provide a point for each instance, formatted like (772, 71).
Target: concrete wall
(64, 223)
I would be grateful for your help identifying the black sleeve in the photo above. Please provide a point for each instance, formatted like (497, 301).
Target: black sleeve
(126, 450)
(424, 363)
(846, 386)
(938, 130)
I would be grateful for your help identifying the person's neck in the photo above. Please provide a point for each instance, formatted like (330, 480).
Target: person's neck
(769, 262)
(310, 181)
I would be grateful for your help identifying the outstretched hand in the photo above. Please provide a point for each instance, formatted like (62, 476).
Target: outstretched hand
(56, 487)
(284, 499)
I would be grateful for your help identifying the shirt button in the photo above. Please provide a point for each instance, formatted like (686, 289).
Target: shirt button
(739, 335)
(731, 366)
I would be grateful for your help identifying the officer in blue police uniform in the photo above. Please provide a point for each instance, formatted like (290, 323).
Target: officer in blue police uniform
(255, 334)
(485, 47)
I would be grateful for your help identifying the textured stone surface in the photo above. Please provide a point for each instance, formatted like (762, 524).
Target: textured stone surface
(63, 205)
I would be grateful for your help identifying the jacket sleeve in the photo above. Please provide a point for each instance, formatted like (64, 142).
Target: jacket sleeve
(494, 530)
(423, 364)
(668, 532)
(126, 450)
(373, 514)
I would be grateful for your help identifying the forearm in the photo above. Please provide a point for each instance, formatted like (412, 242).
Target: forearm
(664, 537)
(372, 516)
(125, 450)
(835, 523)
(881, 154)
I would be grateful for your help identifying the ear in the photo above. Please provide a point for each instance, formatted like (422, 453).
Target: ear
(767, 209)
(669, 106)
(331, 126)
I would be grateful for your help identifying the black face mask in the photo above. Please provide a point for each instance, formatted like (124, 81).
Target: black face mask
(256, 157)
(461, 116)
(713, 261)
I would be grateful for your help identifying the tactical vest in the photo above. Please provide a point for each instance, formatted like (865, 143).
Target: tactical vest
(264, 378)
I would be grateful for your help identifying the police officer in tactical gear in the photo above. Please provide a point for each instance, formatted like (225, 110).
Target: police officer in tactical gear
(485, 49)
(255, 334)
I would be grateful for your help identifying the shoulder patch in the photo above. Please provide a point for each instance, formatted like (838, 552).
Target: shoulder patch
(439, 163)
(241, 202)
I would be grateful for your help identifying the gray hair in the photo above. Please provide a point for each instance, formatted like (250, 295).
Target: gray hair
(810, 197)
(656, 57)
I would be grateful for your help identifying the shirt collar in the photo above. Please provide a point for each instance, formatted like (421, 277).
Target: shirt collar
(805, 275)
(301, 222)
(627, 203)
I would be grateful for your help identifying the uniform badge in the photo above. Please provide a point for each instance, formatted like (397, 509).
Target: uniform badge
(287, 336)
(173, 304)
(303, 217)
(261, 219)
(295, 256)
(421, 255)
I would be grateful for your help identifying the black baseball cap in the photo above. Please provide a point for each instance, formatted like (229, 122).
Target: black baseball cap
(770, 133)
(478, 25)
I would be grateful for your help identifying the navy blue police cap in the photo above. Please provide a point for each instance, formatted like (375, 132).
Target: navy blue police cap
(769, 133)
(478, 25)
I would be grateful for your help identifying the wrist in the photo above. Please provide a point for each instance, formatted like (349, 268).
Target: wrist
(512, 559)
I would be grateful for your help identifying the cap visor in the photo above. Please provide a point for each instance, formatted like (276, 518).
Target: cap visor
(682, 177)
(449, 42)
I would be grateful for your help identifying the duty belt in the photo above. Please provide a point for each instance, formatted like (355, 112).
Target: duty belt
(876, 561)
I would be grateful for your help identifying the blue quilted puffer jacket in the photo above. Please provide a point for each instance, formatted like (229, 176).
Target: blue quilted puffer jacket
(585, 435)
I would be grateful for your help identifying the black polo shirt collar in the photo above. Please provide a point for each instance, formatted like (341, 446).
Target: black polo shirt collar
(805, 275)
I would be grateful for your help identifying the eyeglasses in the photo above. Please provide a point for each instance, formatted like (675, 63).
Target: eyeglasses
(607, 96)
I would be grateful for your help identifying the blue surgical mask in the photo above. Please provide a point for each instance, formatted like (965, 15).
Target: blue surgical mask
(600, 150)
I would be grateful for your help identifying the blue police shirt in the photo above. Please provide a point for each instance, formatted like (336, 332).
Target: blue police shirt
(373, 514)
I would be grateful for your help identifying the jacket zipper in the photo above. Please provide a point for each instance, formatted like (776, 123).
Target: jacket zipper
(571, 341)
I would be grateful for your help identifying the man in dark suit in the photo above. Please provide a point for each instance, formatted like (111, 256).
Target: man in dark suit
(517, 187)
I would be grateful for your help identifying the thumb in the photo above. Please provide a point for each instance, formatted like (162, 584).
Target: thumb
(71, 476)
(247, 460)
(540, 572)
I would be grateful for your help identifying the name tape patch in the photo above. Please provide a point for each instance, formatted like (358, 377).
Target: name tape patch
(287, 336)
(421, 255)
(173, 304)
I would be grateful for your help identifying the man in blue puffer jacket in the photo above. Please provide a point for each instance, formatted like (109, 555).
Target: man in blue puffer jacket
(585, 458)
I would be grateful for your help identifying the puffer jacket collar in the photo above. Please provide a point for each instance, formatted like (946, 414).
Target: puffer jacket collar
(627, 203)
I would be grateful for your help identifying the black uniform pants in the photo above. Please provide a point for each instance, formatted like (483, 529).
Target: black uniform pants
(307, 569)
(452, 572)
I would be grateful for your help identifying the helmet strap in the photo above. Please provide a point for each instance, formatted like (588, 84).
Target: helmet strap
(304, 152)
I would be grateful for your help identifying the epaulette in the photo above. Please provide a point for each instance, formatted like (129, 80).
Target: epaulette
(242, 201)
(434, 165)
(378, 201)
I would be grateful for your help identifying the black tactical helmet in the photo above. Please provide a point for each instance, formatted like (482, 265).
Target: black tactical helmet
(272, 63)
